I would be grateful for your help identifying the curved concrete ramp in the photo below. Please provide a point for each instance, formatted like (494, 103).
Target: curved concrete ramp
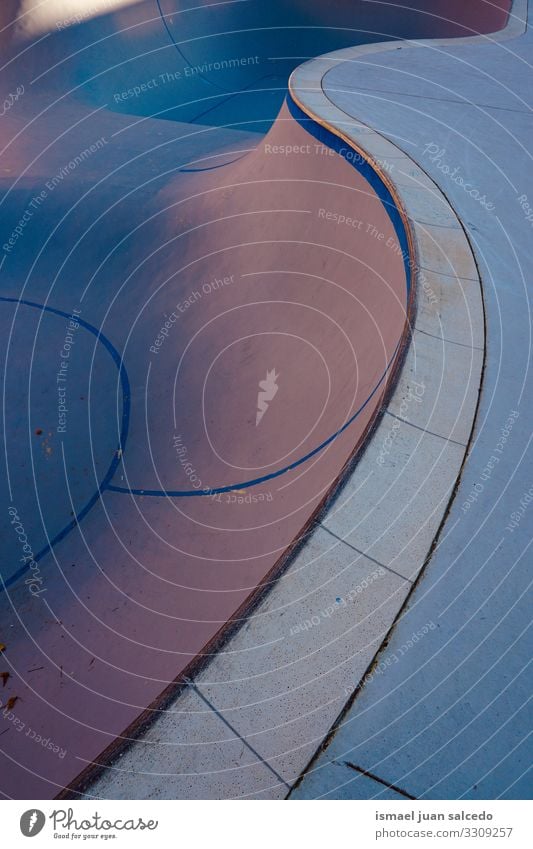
(199, 327)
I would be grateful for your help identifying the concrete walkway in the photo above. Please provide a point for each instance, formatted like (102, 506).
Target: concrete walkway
(444, 712)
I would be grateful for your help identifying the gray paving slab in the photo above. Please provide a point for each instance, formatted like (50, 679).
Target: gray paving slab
(189, 753)
(458, 308)
(448, 714)
(410, 487)
(431, 411)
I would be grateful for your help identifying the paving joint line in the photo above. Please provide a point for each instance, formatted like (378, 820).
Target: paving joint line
(354, 90)
(444, 273)
(424, 430)
(363, 554)
(432, 223)
(379, 780)
(448, 341)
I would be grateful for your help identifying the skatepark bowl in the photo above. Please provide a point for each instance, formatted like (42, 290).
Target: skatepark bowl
(205, 294)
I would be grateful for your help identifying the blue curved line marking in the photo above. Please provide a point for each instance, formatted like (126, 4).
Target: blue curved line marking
(187, 493)
(211, 167)
(328, 138)
(124, 428)
(367, 171)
